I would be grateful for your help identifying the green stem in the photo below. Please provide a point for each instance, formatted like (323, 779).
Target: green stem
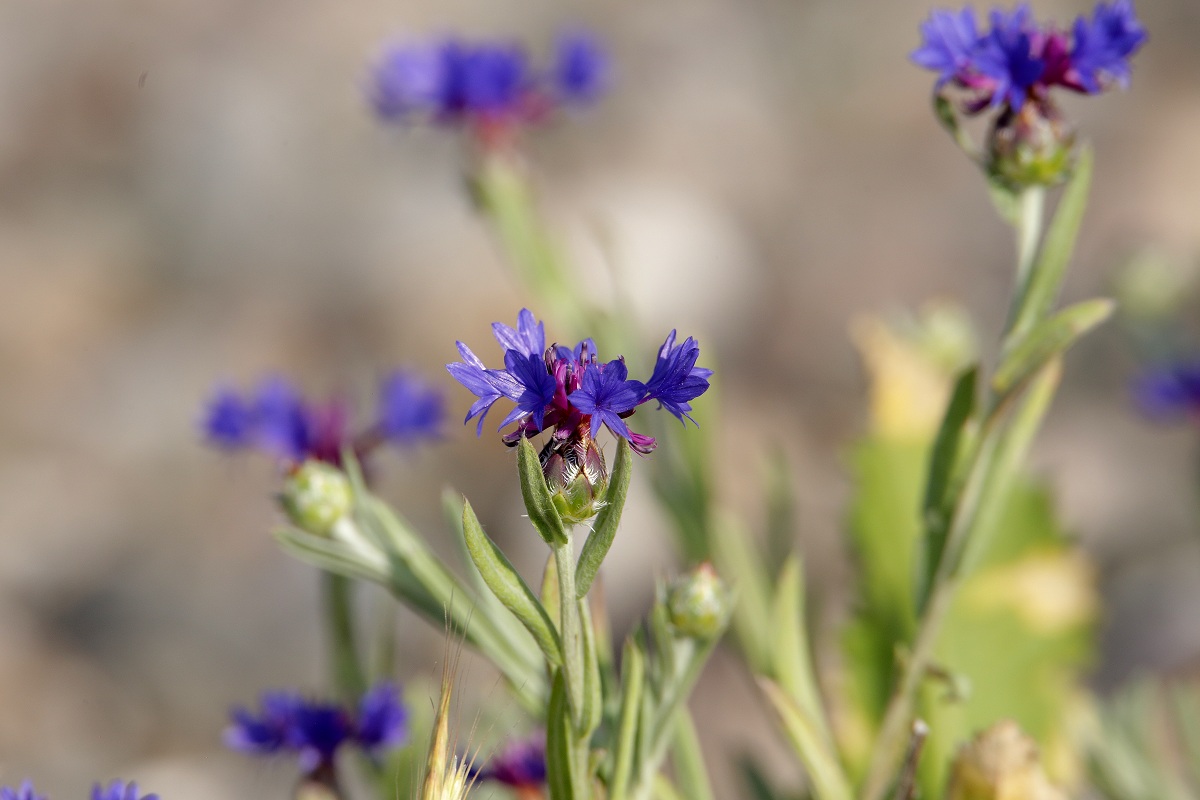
(982, 483)
(348, 677)
(572, 642)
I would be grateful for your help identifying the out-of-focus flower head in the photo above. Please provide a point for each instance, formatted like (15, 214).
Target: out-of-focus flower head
(1018, 60)
(570, 391)
(520, 765)
(1012, 67)
(24, 792)
(314, 731)
(489, 87)
(120, 790)
(277, 420)
(1170, 392)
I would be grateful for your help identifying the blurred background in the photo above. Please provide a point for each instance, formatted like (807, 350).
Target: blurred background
(195, 191)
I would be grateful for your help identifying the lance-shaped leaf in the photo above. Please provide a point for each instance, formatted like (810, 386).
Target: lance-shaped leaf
(690, 771)
(508, 586)
(1046, 278)
(937, 508)
(824, 772)
(539, 505)
(593, 694)
(792, 656)
(601, 538)
(633, 675)
(1046, 340)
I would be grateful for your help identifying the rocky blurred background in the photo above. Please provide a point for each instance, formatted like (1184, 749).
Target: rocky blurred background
(194, 191)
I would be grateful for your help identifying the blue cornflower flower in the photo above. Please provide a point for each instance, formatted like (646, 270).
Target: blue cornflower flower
(409, 409)
(490, 87)
(25, 792)
(581, 68)
(1169, 392)
(521, 764)
(120, 790)
(570, 391)
(314, 730)
(277, 420)
(1018, 60)
(1103, 47)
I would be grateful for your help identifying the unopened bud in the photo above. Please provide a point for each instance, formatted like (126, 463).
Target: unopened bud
(1002, 763)
(316, 496)
(698, 604)
(1031, 147)
(577, 476)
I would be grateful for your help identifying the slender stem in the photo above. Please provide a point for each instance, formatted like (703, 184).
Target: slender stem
(980, 480)
(572, 641)
(342, 637)
(1032, 204)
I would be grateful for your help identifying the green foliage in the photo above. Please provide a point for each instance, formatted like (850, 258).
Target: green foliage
(1000, 653)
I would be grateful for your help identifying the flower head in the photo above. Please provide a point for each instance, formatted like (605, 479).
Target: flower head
(314, 730)
(1169, 392)
(120, 790)
(277, 420)
(488, 86)
(570, 391)
(25, 792)
(1017, 60)
(520, 765)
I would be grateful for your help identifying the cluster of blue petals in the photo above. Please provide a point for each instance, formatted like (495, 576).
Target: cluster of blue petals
(569, 390)
(1170, 392)
(1018, 59)
(314, 731)
(521, 764)
(277, 420)
(117, 790)
(486, 82)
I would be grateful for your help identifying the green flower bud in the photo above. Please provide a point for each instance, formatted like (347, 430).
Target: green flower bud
(699, 603)
(1002, 763)
(577, 476)
(1032, 147)
(316, 496)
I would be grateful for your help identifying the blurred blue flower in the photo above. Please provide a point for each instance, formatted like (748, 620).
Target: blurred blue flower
(1017, 59)
(488, 86)
(314, 731)
(278, 421)
(1169, 392)
(25, 792)
(521, 764)
(119, 790)
(569, 390)
(581, 68)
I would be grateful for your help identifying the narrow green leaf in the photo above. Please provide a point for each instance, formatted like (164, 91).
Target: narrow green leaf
(593, 699)
(792, 655)
(691, 777)
(538, 503)
(558, 742)
(736, 559)
(595, 548)
(633, 675)
(328, 555)
(1046, 340)
(508, 586)
(1046, 278)
(664, 790)
(937, 510)
(550, 594)
(824, 771)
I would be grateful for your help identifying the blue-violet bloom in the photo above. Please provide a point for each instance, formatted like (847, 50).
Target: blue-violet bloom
(25, 792)
(490, 87)
(571, 392)
(277, 420)
(120, 790)
(521, 765)
(1018, 60)
(314, 731)
(1169, 392)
